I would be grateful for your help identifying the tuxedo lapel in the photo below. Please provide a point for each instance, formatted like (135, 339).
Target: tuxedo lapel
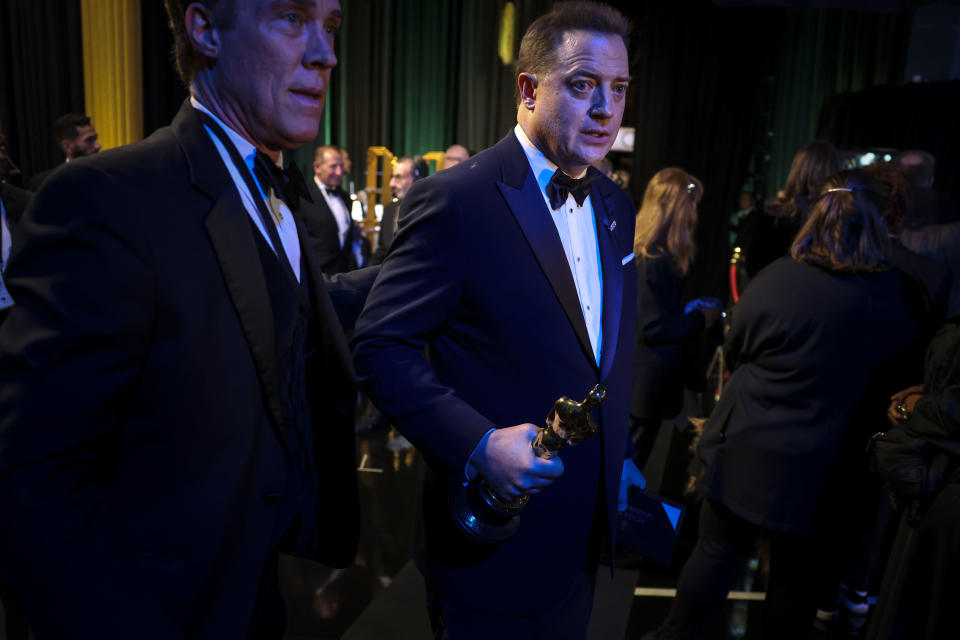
(523, 196)
(612, 269)
(231, 235)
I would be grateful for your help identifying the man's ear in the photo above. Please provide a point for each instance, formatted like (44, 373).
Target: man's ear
(527, 82)
(201, 30)
(316, 166)
(66, 146)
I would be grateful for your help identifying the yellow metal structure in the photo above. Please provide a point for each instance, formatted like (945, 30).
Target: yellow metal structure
(435, 160)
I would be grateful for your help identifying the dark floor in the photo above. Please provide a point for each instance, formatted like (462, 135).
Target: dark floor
(381, 595)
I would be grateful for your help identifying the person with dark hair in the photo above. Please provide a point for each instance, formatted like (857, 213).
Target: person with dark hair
(514, 271)
(767, 235)
(340, 245)
(663, 245)
(748, 207)
(176, 393)
(13, 202)
(76, 137)
(406, 171)
(454, 155)
(919, 457)
(860, 545)
(9, 172)
(814, 337)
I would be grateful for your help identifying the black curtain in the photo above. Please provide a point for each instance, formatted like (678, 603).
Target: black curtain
(824, 52)
(163, 92)
(914, 116)
(701, 84)
(41, 76)
(485, 108)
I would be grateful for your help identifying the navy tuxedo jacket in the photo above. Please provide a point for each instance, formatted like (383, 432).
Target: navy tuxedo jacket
(477, 274)
(143, 465)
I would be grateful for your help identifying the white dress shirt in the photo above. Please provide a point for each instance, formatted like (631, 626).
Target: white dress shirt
(286, 227)
(578, 234)
(339, 209)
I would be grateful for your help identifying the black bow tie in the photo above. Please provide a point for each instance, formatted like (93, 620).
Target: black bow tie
(288, 184)
(561, 185)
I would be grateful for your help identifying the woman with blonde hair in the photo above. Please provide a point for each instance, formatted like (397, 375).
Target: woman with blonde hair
(664, 248)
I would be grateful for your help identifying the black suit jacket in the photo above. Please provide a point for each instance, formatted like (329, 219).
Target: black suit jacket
(477, 275)
(142, 460)
(37, 179)
(388, 229)
(16, 201)
(807, 348)
(322, 225)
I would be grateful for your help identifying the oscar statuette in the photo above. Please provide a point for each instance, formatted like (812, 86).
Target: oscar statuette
(487, 517)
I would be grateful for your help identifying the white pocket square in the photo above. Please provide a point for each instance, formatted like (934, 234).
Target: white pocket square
(627, 258)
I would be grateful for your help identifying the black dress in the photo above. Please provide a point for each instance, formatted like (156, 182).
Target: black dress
(664, 332)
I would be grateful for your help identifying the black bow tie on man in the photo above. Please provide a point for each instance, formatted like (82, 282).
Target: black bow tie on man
(288, 184)
(561, 185)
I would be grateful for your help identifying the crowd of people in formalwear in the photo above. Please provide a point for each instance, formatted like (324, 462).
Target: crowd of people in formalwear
(178, 391)
(835, 322)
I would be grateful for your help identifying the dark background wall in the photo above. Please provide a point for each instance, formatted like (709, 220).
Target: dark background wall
(41, 76)
(727, 90)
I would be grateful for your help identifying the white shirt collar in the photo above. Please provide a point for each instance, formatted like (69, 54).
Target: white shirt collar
(543, 168)
(324, 189)
(246, 150)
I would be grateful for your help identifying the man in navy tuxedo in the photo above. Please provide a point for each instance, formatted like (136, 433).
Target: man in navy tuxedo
(176, 393)
(514, 270)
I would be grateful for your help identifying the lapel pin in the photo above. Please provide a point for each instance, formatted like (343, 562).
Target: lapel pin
(613, 225)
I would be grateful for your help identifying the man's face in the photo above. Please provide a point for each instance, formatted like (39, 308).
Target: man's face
(85, 144)
(273, 68)
(402, 179)
(746, 201)
(347, 165)
(455, 155)
(329, 169)
(576, 108)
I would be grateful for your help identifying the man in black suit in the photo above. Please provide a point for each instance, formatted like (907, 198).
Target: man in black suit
(406, 171)
(176, 395)
(517, 279)
(76, 137)
(340, 244)
(13, 202)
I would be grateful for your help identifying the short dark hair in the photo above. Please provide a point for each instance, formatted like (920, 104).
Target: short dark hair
(539, 44)
(418, 166)
(188, 60)
(66, 126)
(845, 232)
